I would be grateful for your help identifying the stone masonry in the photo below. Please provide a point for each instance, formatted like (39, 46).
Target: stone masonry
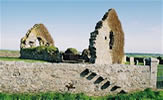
(107, 41)
(91, 79)
(38, 35)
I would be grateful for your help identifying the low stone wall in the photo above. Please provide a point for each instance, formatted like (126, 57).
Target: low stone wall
(46, 53)
(90, 79)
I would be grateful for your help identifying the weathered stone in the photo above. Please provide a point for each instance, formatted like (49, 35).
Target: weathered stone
(137, 62)
(132, 61)
(38, 44)
(124, 59)
(38, 35)
(91, 79)
(86, 55)
(46, 53)
(108, 40)
(153, 68)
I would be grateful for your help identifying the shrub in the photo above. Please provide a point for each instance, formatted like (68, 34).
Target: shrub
(71, 51)
(71, 54)
(47, 53)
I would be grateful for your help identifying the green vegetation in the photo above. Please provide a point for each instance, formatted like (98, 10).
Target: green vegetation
(160, 70)
(41, 49)
(10, 51)
(146, 55)
(46, 53)
(19, 59)
(147, 94)
(72, 51)
(128, 63)
(160, 73)
(160, 66)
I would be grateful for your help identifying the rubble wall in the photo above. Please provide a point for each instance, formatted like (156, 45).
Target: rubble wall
(91, 79)
(106, 43)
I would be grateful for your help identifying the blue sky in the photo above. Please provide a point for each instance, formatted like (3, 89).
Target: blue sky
(71, 21)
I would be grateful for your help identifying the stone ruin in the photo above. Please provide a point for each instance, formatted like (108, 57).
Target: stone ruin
(103, 77)
(38, 35)
(106, 43)
(39, 45)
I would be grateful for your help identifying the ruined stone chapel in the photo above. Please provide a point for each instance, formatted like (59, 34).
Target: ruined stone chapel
(106, 43)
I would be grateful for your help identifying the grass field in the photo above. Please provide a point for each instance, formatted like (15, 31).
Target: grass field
(160, 73)
(18, 59)
(10, 51)
(146, 55)
(160, 68)
(147, 94)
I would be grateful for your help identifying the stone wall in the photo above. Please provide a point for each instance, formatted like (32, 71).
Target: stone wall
(106, 42)
(91, 79)
(46, 53)
(38, 35)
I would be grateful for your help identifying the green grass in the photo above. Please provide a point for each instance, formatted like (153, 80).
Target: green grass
(160, 70)
(161, 93)
(160, 73)
(19, 59)
(128, 63)
(10, 51)
(142, 55)
(160, 66)
(147, 94)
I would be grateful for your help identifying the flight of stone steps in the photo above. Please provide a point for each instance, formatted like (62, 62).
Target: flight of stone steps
(101, 82)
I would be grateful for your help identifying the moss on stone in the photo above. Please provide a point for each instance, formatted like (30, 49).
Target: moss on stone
(47, 53)
(86, 55)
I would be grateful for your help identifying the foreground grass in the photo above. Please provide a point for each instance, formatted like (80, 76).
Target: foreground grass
(147, 94)
(18, 59)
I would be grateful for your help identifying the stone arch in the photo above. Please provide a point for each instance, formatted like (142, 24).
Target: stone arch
(38, 33)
